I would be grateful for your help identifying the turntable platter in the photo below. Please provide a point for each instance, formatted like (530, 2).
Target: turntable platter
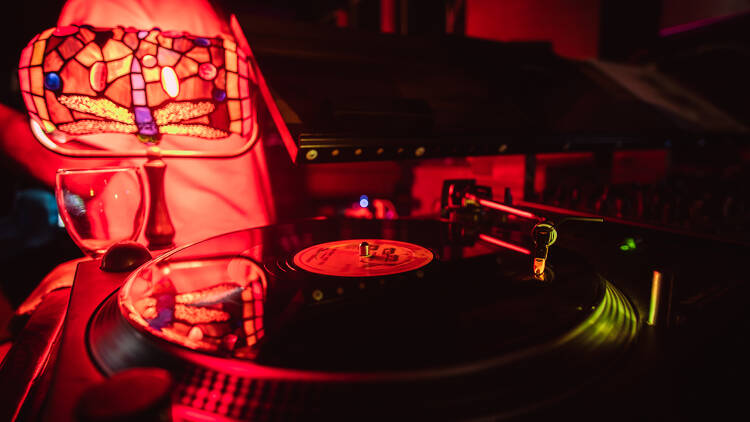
(461, 316)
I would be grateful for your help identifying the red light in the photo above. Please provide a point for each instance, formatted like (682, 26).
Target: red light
(503, 244)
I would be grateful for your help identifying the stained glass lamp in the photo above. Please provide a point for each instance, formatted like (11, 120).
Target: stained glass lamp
(129, 93)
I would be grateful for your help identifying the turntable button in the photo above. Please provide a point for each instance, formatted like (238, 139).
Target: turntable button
(113, 399)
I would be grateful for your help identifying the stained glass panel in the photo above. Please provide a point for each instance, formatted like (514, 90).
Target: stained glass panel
(231, 61)
(146, 48)
(69, 48)
(23, 79)
(114, 50)
(118, 68)
(186, 67)
(233, 89)
(199, 54)
(86, 35)
(58, 112)
(119, 91)
(85, 88)
(37, 80)
(155, 94)
(91, 53)
(41, 107)
(38, 54)
(167, 57)
(235, 111)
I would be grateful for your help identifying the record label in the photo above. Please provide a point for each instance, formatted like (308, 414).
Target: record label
(347, 258)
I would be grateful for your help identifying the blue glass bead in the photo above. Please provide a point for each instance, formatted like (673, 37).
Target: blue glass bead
(203, 42)
(219, 94)
(52, 81)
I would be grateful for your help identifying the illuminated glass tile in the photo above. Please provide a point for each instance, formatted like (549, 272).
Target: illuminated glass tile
(63, 31)
(199, 54)
(135, 67)
(219, 118)
(233, 88)
(155, 94)
(118, 68)
(149, 61)
(186, 67)
(167, 57)
(182, 45)
(26, 56)
(114, 50)
(230, 61)
(235, 110)
(194, 88)
(235, 126)
(52, 81)
(119, 91)
(38, 54)
(117, 33)
(48, 126)
(136, 80)
(41, 107)
(221, 79)
(85, 127)
(203, 120)
(249, 327)
(247, 125)
(57, 112)
(207, 71)
(46, 34)
(69, 47)
(242, 68)
(29, 101)
(100, 107)
(98, 76)
(52, 44)
(76, 79)
(131, 40)
(23, 79)
(229, 45)
(151, 37)
(91, 53)
(181, 111)
(246, 109)
(199, 315)
(86, 35)
(164, 41)
(151, 74)
(145, 49)
(244, 88)
(169, 81)
(193, 130)
(217, 56)
(84, 116)
(37, 80)
(142, 34)
(139, 97)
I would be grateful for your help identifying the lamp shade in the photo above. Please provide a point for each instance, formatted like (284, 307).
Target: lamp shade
(143, 85)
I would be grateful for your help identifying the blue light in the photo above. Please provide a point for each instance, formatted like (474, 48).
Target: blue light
(364, 201)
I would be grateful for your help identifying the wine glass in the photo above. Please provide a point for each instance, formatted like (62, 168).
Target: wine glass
(100, 206)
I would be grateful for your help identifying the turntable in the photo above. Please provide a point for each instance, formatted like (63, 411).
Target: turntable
(472, 316)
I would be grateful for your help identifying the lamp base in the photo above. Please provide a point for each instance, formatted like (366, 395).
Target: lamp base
(159, 229)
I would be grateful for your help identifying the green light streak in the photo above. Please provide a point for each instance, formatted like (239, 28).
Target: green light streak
(613, 321)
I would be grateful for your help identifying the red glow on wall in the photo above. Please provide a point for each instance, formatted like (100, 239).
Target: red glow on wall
(388, 16)
(571, 27)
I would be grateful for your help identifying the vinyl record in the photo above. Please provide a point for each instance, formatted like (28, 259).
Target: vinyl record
(455, 325)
